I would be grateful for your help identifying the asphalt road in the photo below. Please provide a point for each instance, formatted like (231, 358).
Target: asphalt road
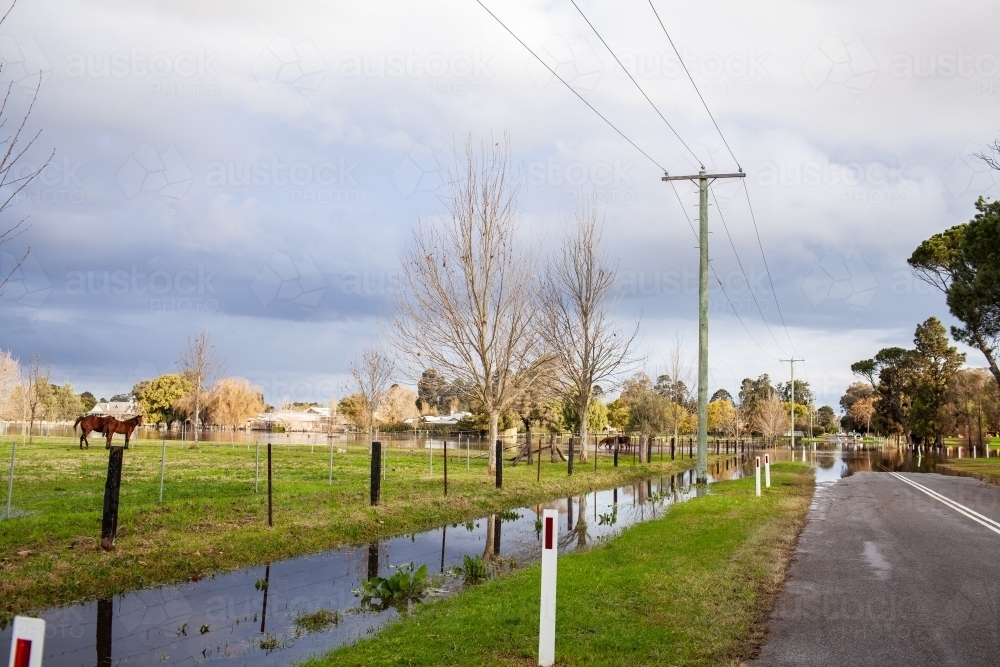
(885, 574)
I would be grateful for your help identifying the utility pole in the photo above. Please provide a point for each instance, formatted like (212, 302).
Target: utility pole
(704, 180)
(791, 408)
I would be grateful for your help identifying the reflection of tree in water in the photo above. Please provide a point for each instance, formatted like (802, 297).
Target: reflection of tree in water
(104, 617)
(581, 524)
(578, 531)
(825, 462)
(492, 549)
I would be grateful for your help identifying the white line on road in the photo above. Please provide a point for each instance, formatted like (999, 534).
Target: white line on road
(958, 507)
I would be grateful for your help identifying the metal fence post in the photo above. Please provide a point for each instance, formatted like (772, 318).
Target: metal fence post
(163, 463)
(10, 477)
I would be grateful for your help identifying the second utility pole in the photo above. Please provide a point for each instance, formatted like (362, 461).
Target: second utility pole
(703, 179)
(791, 409)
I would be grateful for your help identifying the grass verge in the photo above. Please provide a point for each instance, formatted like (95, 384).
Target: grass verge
(210, 520)
(987, 470)
(692, 588)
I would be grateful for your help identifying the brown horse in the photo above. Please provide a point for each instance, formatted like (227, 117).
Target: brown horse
(622, 441)
(124, 427)
(88, 424)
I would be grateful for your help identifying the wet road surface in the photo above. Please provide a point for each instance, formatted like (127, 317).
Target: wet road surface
(886, 573)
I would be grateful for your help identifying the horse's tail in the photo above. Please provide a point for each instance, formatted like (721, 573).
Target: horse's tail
(77, 423)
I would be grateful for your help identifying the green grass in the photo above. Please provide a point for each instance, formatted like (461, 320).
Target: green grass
(986, 469)
(211, 520)
(692, 588)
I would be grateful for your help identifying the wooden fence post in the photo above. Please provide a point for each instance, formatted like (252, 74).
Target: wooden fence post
(112, 487)
(376, 477)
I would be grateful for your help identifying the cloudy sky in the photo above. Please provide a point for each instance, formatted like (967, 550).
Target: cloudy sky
(254, 169)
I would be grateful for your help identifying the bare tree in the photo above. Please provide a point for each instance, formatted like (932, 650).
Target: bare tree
(371, 372)
(468, 308)
(34, 388)
(588, 346)
(12, 179)
(673, 385)
(201, 365)
(770, 418)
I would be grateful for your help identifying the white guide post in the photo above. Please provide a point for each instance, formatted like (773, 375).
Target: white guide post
(767, 467)
(757, 466)
(27, 642)
(547, 623)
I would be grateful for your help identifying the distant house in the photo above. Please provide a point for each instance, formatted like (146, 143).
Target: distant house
(116, 409)
(311, 420)
(441, 420)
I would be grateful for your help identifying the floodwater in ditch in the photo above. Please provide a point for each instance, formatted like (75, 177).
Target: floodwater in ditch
(248, 617)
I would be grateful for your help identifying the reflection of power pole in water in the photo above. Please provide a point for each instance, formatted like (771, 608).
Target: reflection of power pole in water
(104, 618)
(614, 505)
(496, 535)
(267, 585)
(569, 514)
(373, 560)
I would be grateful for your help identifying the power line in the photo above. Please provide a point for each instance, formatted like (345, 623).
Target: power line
(573, 90)
(723, 137)
(721, 286)
(766, 268)
(657, 14)
(629, 74)
(745, 277)
(622, 134)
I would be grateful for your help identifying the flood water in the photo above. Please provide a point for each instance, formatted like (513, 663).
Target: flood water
(247, 617)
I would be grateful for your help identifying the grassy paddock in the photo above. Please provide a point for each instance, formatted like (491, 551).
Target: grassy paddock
(210, 520)
(692, 588)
